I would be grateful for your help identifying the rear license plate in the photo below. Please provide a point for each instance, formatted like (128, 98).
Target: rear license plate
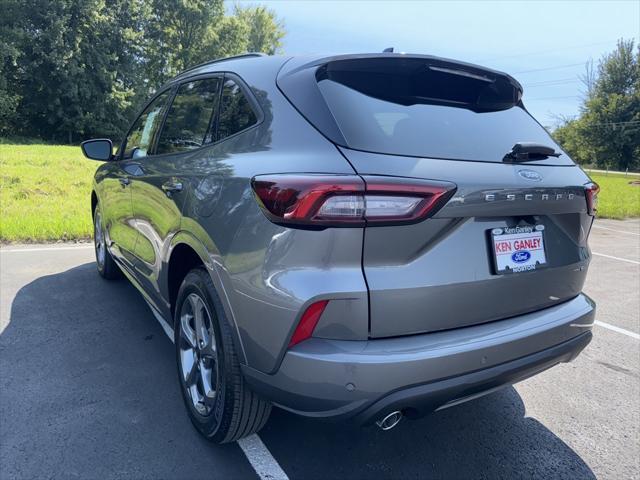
(518, 249)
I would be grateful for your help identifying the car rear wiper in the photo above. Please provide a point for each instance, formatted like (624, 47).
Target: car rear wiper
(529, 151)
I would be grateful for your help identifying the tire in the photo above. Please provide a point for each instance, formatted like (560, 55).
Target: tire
(106, 265)
(218, 400)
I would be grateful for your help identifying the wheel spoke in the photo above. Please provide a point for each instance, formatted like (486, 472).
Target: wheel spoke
(199, 322)
(187, 332)
(190, 371)
(209, 351)
(207, 376)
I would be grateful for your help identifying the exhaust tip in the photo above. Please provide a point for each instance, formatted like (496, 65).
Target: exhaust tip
(390, 421)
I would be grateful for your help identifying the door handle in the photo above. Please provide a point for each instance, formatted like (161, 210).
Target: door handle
(171, 187)
(124, 181)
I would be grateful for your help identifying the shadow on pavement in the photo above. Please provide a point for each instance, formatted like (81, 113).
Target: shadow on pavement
(88, 390)
(486, 438)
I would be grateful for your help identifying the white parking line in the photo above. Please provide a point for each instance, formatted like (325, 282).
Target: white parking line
(623, 331)
(254, 449)
(163, 323)
(261, 459)
(635, 262)
(45, 249)
(618, 231)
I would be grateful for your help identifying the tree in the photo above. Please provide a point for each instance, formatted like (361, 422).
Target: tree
(179, 32)
(10, 38)
(265, 30)
(184, 33)
(607, 132)
(610, 121)
(70, 69)
(570, 136)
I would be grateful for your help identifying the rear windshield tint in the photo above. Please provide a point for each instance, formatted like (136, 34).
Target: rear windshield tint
(428, 112)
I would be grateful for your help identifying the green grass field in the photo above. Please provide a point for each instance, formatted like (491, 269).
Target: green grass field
(45, 191)
(617, 199)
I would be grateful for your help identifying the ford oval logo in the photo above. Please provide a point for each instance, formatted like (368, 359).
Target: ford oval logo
(521, 257)
(530, 175)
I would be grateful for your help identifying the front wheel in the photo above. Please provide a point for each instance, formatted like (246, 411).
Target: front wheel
(220, 404)
(107, 267)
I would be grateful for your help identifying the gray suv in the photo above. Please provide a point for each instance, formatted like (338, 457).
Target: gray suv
(357, 237)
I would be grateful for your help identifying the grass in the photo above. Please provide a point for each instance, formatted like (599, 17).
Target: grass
(617, 199)
(45, 191)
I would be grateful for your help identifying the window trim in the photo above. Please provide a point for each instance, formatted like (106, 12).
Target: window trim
(255, 105)
(151, 149)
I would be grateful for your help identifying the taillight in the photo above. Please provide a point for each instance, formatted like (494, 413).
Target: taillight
(348, 200)
(591, 192)
(308, 322)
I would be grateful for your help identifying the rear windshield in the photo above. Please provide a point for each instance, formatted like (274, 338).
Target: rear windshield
(427, 111)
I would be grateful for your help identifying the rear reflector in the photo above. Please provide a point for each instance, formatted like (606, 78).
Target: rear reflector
(308, 322)
(348, 200)
(592, 190)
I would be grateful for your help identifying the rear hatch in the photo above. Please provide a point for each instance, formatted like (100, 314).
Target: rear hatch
(513, 237)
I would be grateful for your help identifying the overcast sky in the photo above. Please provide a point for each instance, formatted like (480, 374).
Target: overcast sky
(544, 44)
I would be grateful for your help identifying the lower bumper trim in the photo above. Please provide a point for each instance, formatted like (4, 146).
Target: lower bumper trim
(419, 400)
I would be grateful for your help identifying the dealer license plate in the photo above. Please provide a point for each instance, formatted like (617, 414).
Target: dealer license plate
(518, 249)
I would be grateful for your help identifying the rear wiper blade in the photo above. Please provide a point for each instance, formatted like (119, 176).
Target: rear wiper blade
(529, 151)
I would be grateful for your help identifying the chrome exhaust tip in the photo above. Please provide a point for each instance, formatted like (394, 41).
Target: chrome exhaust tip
(390, 421)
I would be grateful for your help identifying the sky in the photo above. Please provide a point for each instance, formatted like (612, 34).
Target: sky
(543, 44)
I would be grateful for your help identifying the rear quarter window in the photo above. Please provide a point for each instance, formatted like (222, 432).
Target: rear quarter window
(236, 112)
(190, 120)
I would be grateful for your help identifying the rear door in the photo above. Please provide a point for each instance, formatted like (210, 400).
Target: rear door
(160, 187)
(513, 237)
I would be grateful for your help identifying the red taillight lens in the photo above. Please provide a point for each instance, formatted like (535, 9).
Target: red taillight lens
(348, 200)
(297, 199)
(426, 197)
(591, 192)
(308, 322)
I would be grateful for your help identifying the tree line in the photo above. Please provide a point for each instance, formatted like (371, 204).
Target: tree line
(73, 69)
(606, 133)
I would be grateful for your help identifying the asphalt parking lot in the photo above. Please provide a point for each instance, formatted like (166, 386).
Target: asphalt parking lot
(88, 390)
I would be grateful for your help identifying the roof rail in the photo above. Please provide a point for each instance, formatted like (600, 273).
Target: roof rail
(217, 60)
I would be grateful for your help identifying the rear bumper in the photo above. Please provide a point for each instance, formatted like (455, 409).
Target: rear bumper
(442, 394)
(340, 379)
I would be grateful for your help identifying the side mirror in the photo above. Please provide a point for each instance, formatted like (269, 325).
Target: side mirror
(98, 149)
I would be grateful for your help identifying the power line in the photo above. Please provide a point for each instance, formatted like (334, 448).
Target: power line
(614, 124)
(553, 98)
(557, 67)
(549, 51)
(559, 81)
(559, 84)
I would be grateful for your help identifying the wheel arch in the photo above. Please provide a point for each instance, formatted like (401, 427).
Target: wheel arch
(188, 252)
(94, 202)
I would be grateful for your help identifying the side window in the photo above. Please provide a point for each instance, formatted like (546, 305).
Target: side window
(236, 113)
(141, 135)
(189, 120)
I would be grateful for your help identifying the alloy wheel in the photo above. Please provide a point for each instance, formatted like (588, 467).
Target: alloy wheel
(198, 354)
(98, 238)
